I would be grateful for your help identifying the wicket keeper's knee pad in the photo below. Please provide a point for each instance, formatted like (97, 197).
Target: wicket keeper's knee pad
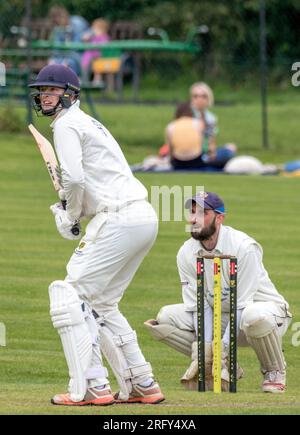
(168, 314)
(255, 323)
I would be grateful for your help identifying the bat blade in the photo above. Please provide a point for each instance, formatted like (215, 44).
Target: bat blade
(52, 165)
(49, 156)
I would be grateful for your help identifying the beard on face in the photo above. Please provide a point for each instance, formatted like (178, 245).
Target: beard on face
(205, 233)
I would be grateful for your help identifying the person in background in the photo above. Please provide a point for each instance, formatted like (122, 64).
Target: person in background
(186, 141)
(66, 28)
(202, 98)
(191, 144)
(97, 35)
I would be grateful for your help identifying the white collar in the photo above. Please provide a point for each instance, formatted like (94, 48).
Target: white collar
(75, 106)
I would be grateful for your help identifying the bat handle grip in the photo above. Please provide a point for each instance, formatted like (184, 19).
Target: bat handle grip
(76, 227)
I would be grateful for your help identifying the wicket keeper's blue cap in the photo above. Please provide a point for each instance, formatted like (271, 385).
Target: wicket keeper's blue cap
(208, 201)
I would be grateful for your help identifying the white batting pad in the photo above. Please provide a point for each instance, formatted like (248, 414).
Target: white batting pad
(176, 338)
(112, 347)
(68, 318)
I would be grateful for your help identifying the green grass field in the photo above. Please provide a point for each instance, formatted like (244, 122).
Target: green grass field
(32, 366)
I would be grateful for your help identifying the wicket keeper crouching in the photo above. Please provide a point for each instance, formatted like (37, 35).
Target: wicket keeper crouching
(99, 185)
(262, 313)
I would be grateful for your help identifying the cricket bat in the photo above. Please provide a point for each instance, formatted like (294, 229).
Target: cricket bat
(52, 165)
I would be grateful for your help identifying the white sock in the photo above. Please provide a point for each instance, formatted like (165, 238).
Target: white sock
(146, 383)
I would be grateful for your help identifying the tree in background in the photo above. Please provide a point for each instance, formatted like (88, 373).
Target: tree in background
(232, 45)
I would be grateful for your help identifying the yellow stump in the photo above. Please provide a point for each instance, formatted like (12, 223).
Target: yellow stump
(217, 325)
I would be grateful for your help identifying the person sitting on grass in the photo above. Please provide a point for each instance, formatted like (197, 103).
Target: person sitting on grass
(192, 144)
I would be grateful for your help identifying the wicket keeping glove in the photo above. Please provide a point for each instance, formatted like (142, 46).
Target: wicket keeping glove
(68, 230)
(225, 377)
(190, 378)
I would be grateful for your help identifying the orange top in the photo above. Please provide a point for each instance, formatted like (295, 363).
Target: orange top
(185, 137)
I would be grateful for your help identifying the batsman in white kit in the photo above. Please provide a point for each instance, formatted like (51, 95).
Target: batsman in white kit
(262, 313)
(97, 185)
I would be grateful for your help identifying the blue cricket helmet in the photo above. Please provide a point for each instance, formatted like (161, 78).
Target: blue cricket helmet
(60, 76)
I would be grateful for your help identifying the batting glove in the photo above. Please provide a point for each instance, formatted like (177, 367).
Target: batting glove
(67, 229)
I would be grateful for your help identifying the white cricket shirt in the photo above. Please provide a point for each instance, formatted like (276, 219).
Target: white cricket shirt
(253, 282)
(95, 173)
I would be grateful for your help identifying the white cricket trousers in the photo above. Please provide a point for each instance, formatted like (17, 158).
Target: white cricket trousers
(110, 253)
(105, 262)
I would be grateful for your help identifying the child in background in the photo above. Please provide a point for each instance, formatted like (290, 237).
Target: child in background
(99, 35)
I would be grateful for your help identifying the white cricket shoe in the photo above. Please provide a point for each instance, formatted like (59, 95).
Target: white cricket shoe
(274, 382)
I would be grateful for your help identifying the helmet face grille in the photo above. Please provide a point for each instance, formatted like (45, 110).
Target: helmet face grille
(66, 100)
